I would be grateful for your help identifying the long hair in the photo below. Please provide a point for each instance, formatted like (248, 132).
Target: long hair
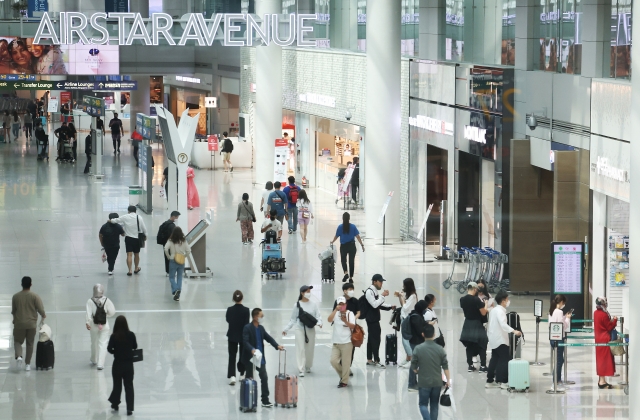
(177, 237)
(15, 116)
(409, 287)
(429, 298)
(120, 328)
(269, 186)
(302, 196)
(555, 301)
(345, 222)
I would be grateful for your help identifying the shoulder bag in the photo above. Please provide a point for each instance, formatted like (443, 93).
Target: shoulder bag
(357, 334)
(179, 258)
(253, 216)
(142, 237)
(137, 355)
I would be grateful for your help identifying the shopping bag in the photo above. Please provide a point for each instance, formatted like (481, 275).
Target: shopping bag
(104, 256)
(162, 192)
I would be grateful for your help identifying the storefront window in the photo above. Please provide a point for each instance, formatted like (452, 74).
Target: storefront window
(508, 55)
(454, 30)
(619, 60)
(559, 35)
(320, 8)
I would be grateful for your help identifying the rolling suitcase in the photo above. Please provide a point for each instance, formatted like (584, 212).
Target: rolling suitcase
(329, 269)
(515, 346)
(248, 395)
(286, 385)
(518, 372)
(45, 355)
(391, 349)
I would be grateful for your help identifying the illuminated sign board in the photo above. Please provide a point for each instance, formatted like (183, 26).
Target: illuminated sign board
(432, 124)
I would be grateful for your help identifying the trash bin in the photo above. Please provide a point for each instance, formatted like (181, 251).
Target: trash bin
(135, 192)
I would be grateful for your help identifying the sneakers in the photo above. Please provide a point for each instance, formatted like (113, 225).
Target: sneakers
(110, 273)
(371, 363)
(343, 385)
(301, 374)
(267, 404)
(504, 386)
(308, 370)
(27, 368)
(232, 380)
(483, 369)
(380, 365)
(100, 367)
(245, 243)
(412, 389)
(176, 297)
(290, 231)
(19, 362)
(92, 363)
(231, 170)
(471, 368)
(492, 385)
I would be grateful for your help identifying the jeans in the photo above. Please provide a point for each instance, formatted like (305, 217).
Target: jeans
(559, 358)
(373, 343)
(413, 378)
(348, 249)
(426, 397)
(293, 218)
(264, 380)
(15, 128)
(28, 129)
(112, 254)
(122, 372)
(355, 186)
(499, 365)
(175, 268)
(233, 350)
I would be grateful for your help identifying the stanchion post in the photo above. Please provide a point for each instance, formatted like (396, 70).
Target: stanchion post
(553, 364)
(566, 380)
(536, 363)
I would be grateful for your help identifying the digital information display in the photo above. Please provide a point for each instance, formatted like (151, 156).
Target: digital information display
(567, 268)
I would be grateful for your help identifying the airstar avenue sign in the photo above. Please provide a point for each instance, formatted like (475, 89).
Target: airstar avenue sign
(238, 29)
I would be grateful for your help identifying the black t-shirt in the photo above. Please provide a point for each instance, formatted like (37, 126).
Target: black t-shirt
(352, 305)
(100, 125)
(116, 125)
(62, 132)
(471, 306)
(355, 176)
(111, 235)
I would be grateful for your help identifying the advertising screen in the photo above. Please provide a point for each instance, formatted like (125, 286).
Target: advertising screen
(21, 56)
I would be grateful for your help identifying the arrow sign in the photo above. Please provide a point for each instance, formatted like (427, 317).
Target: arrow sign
(68, 85)
(59, 85)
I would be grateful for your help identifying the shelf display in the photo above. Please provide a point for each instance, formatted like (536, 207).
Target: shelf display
(618, 259)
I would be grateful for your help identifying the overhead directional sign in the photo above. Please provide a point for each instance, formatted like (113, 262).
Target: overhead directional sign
(66, 85)
(93, 106)
(14, 77)
(146, 126)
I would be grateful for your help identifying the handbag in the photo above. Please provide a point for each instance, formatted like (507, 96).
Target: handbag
(440, 339)
(306, 215)
(357, 336)
(445, 399)
(142, 237)
(137, 355)
(179, 258)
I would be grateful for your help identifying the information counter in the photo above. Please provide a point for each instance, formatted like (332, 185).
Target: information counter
(241, 157)
(327, 174)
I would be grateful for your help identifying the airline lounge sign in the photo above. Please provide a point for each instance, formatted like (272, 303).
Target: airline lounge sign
(238, 29)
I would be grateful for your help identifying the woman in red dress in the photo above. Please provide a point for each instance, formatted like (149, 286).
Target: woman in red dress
(603, 324)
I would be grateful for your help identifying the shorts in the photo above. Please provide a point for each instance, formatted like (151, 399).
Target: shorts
(132, 244)
(226, 156)
(115, 137)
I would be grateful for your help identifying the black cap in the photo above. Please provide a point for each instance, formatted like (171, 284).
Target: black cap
(305, 288)
(377, 277)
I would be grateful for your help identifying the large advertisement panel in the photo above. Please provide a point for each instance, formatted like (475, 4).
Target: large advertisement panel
(22, 56)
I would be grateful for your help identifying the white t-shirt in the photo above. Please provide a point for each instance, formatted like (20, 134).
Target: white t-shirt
(276, 225)
(429, 316)
(341, 331)
(409, 306)
(265, 197)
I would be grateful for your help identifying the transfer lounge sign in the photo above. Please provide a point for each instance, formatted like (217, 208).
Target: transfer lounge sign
(609, 167)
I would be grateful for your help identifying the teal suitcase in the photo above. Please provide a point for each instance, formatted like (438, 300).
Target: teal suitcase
(519, 375)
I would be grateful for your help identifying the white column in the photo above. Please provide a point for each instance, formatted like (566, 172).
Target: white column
(634, 232)
(140, 6)
(268, 111)
(432, 29)
(343, 27)
(382, 154)
(139, 100)
(525, 42)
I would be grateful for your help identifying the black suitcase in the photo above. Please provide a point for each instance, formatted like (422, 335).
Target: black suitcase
(329, 269)
(391, 349)
(45, 355)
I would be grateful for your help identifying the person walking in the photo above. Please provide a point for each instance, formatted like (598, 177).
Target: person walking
(16, 124)
(473, 335)
(416, 324)
(557, 315)
(193, 198)
(353, 306)
(305, 337)
(344, 321)
(375, 303)
(498, 332)
(355, 180)
(247, 218)
(253, 337)
(603, 324)
(116, 132)
(272, 223)
(305, 214)
(237, 317)
(408, 299)
(348, 233)
(164, 233)
(133, 225)
(25, 307)
(292, 191)
(6, 127)
(99, 308)
(227, 149)
(122, 343)
(278, 202)
(28, 125)
(109, 236)
(431, 318)
(427, 362)
(176, 250)
(268, 189)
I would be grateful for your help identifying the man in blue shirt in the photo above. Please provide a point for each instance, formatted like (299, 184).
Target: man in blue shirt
(291, 191)
(253, 337)
(278, 202)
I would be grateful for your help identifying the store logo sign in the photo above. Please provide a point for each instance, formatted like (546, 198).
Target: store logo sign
(314, 98)
(602, 167)
(475, 134)
(432, 124)
(187, 79)
(236, 29)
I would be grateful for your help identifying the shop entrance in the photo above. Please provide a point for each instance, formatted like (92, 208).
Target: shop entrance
(468, 200)
(437, 180)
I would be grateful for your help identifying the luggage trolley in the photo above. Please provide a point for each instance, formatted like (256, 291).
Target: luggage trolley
(273, 265)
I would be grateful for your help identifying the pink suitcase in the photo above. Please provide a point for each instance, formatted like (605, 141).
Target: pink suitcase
(286, 385)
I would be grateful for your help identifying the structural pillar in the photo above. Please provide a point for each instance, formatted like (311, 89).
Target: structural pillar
(139, 100)
(633, 323)
(382, 154)
(140, 6)
(268, 110)
(343, 26)
(431, 41)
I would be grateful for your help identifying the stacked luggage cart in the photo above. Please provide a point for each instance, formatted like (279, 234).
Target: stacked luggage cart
(482, 264)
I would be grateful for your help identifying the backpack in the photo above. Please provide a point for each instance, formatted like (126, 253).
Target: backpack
(293, 194)
(271, 237)
(228, 146)
(363, 305)
(306, 318)
(163, 232)
(405, 328)
(100, 317)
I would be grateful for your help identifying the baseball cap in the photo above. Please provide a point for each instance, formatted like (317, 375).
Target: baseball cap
(377, 277)
(340, 300)
(305, 288)
(472, 285)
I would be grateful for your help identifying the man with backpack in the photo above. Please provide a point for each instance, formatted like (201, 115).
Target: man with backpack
(370, 305)
(292, 191)
(278, 201)
(227, 149)
(164, 233)
(99, 308)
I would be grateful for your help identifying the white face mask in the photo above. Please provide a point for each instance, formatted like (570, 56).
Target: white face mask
(508, 303)
(562, 306)
(306, 295)
(350, 293)
(260, 320)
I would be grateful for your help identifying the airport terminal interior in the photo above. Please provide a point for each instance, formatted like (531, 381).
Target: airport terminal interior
(481, 151)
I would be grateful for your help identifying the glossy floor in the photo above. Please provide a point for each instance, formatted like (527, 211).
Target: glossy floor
(49, 219)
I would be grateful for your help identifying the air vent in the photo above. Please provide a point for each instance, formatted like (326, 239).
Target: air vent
(562, 126)
(233, 69)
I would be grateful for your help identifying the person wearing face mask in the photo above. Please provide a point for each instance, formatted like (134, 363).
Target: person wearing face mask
(253, 337)
(305, 337)
(603, 324)
(499, 331)
(556, 314)
(473, 335)
(344, 321)
(417, 323)
(352, 305)
(371, 306)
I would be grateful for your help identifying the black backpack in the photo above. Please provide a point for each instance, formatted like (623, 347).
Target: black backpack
(228, 146)
(363, 305)
(100, 317)
(164, 233)
(271, 237)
